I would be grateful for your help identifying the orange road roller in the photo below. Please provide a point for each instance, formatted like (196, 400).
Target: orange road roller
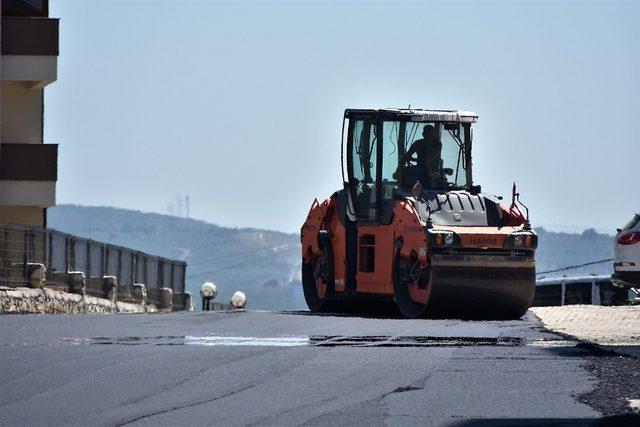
(411, 230)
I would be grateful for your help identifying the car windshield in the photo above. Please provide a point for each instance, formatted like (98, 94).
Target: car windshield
(433, 153)
(632, 223)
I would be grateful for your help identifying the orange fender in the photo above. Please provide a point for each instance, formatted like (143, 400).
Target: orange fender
(407, 224)
(310, 229)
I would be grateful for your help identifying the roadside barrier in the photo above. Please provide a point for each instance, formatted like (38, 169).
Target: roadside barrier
(80, 265)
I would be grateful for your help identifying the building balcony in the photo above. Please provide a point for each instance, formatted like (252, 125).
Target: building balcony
(25, 8)
(29, 50)
(28, 162)
(30, 36)
(28, 174)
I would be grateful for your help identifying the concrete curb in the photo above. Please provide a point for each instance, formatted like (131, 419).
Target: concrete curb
(47, 301)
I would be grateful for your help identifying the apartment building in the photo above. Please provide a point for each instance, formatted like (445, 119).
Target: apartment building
(28, 64)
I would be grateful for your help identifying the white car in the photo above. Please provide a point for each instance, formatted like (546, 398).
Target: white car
(626, 266)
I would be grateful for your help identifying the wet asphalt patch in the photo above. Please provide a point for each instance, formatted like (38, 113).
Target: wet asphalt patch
(413, 341)
(322, 341)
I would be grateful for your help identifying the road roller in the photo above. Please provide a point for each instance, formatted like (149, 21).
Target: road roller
(411, 230)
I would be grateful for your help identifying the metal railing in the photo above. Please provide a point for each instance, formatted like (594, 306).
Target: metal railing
(585, 289)
(61, 253)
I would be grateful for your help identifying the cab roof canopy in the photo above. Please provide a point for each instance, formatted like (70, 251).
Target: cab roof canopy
(415, 114)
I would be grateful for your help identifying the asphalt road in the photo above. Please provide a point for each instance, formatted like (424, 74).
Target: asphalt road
(267, 368)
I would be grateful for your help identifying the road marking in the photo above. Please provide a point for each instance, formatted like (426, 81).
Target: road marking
(246, 341)
(551, 343)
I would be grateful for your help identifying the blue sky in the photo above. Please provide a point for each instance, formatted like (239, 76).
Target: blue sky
(240, 104)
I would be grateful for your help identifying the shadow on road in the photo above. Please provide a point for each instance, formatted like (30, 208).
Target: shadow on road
(619, 420)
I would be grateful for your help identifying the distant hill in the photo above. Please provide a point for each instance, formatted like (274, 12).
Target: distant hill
(557, 250)
(266, 264)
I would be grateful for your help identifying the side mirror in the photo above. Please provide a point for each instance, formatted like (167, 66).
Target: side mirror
(447, 171)
(417, 190)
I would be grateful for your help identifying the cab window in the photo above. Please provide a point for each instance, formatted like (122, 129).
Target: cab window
(436, 155)
(391, 153)
(363, 162)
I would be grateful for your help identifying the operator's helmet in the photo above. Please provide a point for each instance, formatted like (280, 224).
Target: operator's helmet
(208, 290)
(238, 300)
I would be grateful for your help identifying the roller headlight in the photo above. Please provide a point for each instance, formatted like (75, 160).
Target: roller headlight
(443, 238)
(522, 240)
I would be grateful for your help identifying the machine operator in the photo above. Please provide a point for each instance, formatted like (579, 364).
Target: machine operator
(429, 157)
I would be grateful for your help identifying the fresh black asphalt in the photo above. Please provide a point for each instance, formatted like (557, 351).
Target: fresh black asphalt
(301, 369)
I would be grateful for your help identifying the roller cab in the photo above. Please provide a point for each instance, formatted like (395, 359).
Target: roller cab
(409, 228)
